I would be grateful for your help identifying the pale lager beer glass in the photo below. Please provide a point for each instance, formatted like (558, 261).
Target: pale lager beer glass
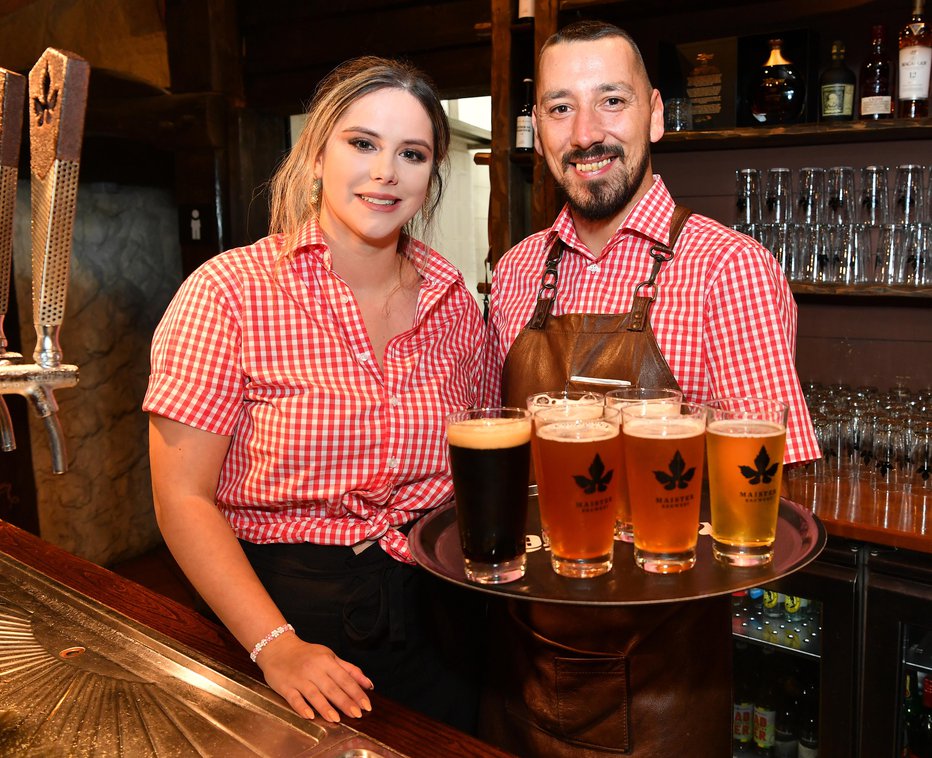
(746, 438)
(619, 398)
(578, 465)
(664, 457)
(490, 451)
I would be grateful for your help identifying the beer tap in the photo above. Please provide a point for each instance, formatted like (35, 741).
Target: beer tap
(12, 95)
(56, 106)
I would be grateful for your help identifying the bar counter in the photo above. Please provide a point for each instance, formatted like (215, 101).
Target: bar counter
(397, 727)
(852, 509)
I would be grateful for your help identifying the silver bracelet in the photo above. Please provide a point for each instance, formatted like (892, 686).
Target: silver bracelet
(277, 632)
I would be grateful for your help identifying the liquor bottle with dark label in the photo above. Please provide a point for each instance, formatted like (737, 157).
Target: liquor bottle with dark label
(915, 63)
(765, 706)
(912, 705)
(836, 88)
(778, 95)
(920, 731)
(524, 125)
(743, 706)
(876, 85)
(785, 736)
(808, 745)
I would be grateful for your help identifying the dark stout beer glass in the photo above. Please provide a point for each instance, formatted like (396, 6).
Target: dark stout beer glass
(490, 457)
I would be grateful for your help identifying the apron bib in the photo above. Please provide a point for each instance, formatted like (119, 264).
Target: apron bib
(586, 681)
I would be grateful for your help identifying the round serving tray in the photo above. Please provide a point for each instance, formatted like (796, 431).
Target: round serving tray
(435, 545)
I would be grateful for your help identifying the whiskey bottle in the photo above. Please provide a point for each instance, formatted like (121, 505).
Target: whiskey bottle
(525, 10)
(524, 125)
(876, 79)
(836, 87)
(915, 62)
(779, 93)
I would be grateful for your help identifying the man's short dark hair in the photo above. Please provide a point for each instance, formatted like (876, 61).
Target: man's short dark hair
(590, 31)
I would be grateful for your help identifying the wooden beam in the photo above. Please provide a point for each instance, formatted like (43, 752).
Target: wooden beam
(462, 72)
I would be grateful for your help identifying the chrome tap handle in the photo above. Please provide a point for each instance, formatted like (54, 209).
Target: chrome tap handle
(7, 440)
(12, 97)
(57, 103)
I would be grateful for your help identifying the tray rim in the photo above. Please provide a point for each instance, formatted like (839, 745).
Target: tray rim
(744, 578)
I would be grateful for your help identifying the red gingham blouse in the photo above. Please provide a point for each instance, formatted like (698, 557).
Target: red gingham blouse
(724, 317)
(327, 447)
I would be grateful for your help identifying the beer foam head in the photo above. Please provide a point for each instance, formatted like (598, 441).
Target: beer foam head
(673, 427)
(745, 428)
(489, 433)
(591, 430)
(587, 405)
(649, 407)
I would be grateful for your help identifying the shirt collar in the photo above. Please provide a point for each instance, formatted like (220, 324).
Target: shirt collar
(649, 218)
(434, 269)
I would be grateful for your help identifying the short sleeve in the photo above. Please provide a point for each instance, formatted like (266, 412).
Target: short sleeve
(196, 376)
(751, 342)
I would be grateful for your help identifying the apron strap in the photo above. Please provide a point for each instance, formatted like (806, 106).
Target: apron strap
(640, 304)
(548, 286)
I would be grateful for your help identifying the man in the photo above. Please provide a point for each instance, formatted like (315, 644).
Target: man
(619, 262)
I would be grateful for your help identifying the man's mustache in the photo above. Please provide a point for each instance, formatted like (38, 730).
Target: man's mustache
(593, 154)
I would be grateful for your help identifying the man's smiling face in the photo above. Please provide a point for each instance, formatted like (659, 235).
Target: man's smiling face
(595, 118)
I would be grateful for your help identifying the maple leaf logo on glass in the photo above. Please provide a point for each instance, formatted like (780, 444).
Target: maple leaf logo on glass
(598, 478)
(763, 471)
(679, 476)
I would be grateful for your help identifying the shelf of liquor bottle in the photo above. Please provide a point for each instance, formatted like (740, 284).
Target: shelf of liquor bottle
(802, 636)
(862, 290)
(794, 135)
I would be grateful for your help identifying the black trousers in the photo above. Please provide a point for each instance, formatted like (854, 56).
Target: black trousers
(417, 638)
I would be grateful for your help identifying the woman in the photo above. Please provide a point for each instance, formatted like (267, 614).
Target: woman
(296, 403)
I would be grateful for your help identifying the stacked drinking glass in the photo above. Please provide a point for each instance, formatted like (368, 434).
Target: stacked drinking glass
(842, 226)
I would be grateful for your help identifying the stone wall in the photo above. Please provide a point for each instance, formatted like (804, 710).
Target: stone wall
(125, 268)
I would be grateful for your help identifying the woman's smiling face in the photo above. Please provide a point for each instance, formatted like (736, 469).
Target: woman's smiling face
(376, 167)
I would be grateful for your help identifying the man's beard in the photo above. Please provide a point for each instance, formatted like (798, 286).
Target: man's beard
(601, 199)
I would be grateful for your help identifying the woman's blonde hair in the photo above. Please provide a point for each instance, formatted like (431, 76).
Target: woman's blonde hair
(291, 188)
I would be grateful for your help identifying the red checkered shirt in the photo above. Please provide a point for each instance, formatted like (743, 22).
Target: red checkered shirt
(327, 447)
(724, 317)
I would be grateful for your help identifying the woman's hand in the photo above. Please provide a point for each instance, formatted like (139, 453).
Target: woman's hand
(311, 675)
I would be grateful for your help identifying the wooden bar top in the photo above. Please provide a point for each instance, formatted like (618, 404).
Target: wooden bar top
(403, 730)
(853, 509)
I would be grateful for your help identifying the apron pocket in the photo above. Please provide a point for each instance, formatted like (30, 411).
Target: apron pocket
(576, 697)
(592, 701)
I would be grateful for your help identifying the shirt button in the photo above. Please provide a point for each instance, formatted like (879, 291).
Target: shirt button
(394, 401)
(344, 299)
(592, 268)
(362, 357)
(393, 463)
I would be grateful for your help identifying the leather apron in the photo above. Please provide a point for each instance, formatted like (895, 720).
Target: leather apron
(650, 679)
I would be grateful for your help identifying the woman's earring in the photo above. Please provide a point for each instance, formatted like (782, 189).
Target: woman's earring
(426, 212)
(315, 191)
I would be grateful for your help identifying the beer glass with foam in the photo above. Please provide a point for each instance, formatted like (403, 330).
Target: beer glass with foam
(664, 459)
(619, 398)
(746, 438)
(541, 401)
(490, 451)
(578, 464)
